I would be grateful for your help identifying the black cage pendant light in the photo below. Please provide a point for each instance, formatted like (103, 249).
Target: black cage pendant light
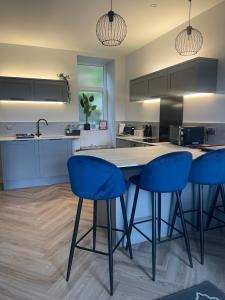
(111, 29)
(190, 40)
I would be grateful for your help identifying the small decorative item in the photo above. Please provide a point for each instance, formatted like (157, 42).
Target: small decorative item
(102, 125)
(111, 29)
(190, 40)
(88, 108)
(66, 78)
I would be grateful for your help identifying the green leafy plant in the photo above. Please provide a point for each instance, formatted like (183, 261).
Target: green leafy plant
(66, 78)
(86, 104)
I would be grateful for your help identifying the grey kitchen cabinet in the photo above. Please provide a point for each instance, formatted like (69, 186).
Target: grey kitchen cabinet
(53, 157)
(195, 76)
(198, 75)
(16, 89)
(34, 163)
(138, 89)
(157, 84)
(19, 160)
(122, 143)
(127, 144)
(50, 90)
(30, 89)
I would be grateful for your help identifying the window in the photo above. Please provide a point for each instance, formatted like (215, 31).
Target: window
(91, 82)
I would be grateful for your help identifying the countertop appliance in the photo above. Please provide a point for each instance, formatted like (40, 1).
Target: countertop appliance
(129, 130)
(187, 135)
(148, 131)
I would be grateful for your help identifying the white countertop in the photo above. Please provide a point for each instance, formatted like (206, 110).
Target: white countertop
(137, 156)
(42, 137)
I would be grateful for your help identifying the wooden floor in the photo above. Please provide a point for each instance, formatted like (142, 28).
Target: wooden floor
(35, 231)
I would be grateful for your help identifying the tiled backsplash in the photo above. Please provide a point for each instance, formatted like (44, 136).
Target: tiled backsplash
(11, 128)
(140, 125)
(218, 138)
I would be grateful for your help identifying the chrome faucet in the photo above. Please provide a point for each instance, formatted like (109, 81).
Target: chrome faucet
(38, 134)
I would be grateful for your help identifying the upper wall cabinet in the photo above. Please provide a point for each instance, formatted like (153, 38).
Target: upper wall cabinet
(50, 90)
(139, 89)
(26, 89)
(157, 84)
(16, 88)
(194, 76)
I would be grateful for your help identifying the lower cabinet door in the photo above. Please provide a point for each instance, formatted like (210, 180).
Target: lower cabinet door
(53, 156)
(19, 161)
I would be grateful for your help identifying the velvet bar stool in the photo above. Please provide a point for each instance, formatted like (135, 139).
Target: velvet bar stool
(97, 180)
(209, 170)
(165, 174)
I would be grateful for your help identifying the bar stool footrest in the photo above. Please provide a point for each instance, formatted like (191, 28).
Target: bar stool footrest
(206, 213)
(159, 242)
(94, 250)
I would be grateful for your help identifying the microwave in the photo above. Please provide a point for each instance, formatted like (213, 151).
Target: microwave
(187, 135)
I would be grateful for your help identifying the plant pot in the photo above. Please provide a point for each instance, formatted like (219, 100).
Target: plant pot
(87, 126)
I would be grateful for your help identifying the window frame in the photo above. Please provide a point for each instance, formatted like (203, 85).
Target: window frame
(89, 89)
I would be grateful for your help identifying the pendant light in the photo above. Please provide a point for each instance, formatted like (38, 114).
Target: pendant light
(190, 40)
(111, 29)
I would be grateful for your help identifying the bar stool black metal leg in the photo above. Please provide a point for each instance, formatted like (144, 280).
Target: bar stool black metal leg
(110, 250)
(186, 238)
(133, 212)
(153, 236)
(212, 208)
(174, 219)
(95, 207)
(74, 238)
(223, 196)
(126, 226)
(159, 216)
(201, 224)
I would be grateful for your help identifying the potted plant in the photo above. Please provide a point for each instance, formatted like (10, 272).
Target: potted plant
(88, 108)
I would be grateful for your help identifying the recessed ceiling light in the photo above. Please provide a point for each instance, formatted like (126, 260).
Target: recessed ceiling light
(153, 5)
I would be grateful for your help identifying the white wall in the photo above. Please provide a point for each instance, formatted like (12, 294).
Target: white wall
(161, 54)
(36, 62)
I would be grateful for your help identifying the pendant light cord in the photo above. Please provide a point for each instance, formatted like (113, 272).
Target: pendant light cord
(111, 5)
(190, 13)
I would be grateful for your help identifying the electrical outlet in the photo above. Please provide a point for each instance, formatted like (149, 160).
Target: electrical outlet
(9, 126)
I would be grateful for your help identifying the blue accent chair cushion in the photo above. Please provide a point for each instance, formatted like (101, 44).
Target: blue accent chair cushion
(209, 169)
(94, 178)
(165, 174)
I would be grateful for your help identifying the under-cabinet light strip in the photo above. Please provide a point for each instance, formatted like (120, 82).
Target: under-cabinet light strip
(30, 102)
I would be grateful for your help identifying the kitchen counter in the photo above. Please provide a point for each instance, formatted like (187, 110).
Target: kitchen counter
(131, 162)
(36, 161)
(133, 157)
(42, 137)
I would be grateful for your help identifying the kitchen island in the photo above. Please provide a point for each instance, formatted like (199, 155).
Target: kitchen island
(131, 162)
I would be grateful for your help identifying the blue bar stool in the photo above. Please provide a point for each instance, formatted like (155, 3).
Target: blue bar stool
(165, 174)
(97, 180)
(209, 170)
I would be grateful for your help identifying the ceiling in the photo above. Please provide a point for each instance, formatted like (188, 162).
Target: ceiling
(70, 24)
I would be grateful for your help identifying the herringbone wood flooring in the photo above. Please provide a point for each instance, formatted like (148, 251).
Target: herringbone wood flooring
(35, 231)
